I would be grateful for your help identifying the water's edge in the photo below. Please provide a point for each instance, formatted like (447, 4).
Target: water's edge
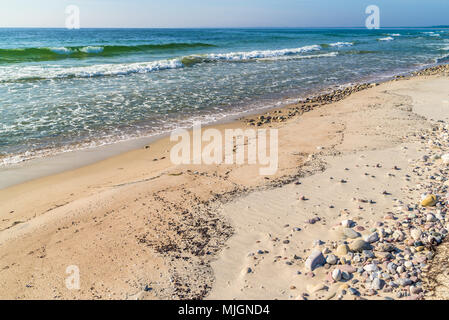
(53, 164)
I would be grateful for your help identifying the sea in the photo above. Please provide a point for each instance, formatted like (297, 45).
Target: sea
(64, 90)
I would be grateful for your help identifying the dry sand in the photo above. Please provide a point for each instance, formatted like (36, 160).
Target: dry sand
(139, 227)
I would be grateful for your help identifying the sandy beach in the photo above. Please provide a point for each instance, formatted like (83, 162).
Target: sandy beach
(352, 163)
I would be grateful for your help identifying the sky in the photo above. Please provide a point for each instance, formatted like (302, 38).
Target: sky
(222, 13)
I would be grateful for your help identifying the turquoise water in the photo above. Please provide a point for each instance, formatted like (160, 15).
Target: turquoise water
(62, 90)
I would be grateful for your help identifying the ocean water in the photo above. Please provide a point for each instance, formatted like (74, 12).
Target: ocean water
(63, 90)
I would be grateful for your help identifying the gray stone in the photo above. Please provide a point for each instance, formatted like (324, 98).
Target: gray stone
(391, 267)
(377, 284)
(350, 233)
(315, 260)
(404, 282)
(368, 254)
(373, 237)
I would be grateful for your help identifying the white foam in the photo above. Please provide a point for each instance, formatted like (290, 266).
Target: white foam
(62, 50)
(248, 55)
(55, 72)
(432, 34)
(341, 44)
(92, 49)
(386, 39)
(330, 54)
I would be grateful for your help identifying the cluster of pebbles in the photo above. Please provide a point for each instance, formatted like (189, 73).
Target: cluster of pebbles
(311, 103)
(391, 259)
(438, 70)
(307, 105)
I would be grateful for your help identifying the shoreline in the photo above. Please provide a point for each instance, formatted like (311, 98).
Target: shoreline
(136, 205)
(54, 163)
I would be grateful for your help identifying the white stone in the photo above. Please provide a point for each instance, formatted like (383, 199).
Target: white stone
(445, 158)
(416, 234)
(331, 259)
(370, 267)
(336, 274)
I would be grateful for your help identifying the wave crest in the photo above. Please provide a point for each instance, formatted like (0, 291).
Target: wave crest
(19, 55)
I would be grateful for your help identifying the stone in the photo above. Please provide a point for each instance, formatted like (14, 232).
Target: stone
(387, 247)
(315, 260)
(342, 250)
(368, 254)
(370, 267)
(347, 223)
(404, 282)
(415, 290)
(350, 233)
(384, 255)
(398, 235)
(331, 259)
(429, 201)
(347, 268)
(373, 237)
(391, 267)
(445, 158)
(336, 274)
(377, 284)
(359, 245)
(416, 234)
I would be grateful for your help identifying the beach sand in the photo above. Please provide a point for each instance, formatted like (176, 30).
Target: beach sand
(139, 227)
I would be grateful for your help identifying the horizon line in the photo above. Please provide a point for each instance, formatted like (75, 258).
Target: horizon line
(259, 27)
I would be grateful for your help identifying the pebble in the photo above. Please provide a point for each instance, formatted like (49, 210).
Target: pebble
(377, 284)
(316, 259)
(359, 245)
(373, 237)
(404, 282)
(370, 267)
(336, 274)
(342, 250)
(347, 223)
(429, 201)
(331, 259)
(416, 234)
(350, 233)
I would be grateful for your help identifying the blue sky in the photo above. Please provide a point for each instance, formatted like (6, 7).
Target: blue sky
(223, 13)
